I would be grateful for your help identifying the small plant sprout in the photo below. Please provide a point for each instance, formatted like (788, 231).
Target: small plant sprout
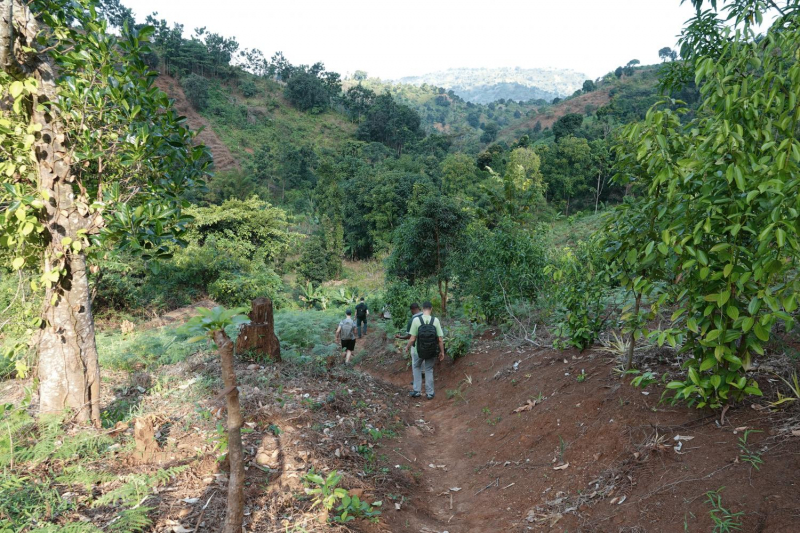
(749, 456)
(724, 520)
(581, 377)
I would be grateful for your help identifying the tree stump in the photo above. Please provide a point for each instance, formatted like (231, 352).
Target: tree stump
(258, 336)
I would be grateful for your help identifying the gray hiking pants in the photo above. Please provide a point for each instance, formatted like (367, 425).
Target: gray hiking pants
(418, 366)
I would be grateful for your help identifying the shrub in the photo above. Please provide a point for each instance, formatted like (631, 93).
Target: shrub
(501, 265)
(196, 89)
(581, 288)
(458, 339)
(240, 288)
(248, 88)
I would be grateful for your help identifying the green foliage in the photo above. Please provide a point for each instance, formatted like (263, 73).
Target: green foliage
(427, 242)
(138, 193)
(150, 348)
(731, 252)
(724, 520)
(66, 462)
(305, 333)
(399, 296)
(208, 321)
(458, 339)
(313, 263)
(311, 88)
(196, 90)
(390, 123)
(352, 507)
(241, 288)
(325, 492)
(581, 288)
(500, 266)
(567, 125)
(747, 455)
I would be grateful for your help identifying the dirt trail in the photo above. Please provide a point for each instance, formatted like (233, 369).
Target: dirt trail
(623, 473)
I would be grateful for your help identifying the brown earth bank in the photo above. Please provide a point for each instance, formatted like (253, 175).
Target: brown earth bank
(223, 159)
(515, 440)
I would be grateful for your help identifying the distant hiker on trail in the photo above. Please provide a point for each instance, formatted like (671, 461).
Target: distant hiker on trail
(346, 333)
(361, 316)
(426, 334)
(415, 312)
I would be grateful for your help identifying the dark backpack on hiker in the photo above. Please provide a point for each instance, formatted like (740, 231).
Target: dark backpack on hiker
(427, 339)
(361, 311)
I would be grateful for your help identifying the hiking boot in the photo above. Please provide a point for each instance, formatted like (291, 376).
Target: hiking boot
(414, 394)
(429, 396)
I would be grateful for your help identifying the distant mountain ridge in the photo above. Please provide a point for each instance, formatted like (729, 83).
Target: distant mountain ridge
(484, 85)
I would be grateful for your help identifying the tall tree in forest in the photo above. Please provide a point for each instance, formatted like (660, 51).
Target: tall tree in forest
(93, 154)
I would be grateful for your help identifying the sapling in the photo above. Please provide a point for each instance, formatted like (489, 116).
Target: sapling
(212, 323)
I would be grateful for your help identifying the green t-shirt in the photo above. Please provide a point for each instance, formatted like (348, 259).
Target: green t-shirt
(416, 323)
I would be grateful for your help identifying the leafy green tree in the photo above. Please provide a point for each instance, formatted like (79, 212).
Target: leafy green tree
(490, 131)
(390, 123)
(259, 230)
(567, 167)
(618, 72)
(357, 100)
(196, 89)
(666, 53)
(313, 264)
(307, 91)
(729, 210)
(569, 124)
(500, 267)
(459, 175)
(520, 189)
(588, 86)
(75, 181)
(427, 241)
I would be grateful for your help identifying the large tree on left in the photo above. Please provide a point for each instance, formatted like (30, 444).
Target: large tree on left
(92, 155)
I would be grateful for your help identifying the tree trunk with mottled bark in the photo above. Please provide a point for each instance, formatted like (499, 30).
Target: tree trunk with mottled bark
(68, 370)
(234, 516)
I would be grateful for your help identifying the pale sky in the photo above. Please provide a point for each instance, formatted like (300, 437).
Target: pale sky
(394, 38)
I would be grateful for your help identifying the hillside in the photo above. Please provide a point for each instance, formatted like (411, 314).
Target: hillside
(484, 85)
(223, 158)
(622, 100)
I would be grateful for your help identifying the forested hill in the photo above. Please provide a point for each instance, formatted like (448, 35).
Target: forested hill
(485, 85)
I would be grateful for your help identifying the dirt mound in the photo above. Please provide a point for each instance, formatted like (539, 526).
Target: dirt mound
(223, 159)
(535, 439)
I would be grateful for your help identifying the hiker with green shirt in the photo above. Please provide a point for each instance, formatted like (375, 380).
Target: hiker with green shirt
(428, 339)
(346, 333)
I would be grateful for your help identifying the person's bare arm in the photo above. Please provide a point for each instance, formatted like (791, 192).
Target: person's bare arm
(338, 333)
(411, 340)
(441, 349)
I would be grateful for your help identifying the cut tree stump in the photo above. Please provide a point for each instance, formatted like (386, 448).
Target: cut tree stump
(258, 336)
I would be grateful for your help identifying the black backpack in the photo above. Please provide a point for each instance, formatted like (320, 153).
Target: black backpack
(427, 339)
(361, 311)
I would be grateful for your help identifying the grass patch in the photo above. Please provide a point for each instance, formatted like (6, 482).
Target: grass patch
(151, 348)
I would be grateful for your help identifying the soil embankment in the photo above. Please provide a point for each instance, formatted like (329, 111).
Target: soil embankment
(223, 159)
(539, 440)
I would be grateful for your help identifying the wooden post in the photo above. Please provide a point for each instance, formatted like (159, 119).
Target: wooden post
(259, 335)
